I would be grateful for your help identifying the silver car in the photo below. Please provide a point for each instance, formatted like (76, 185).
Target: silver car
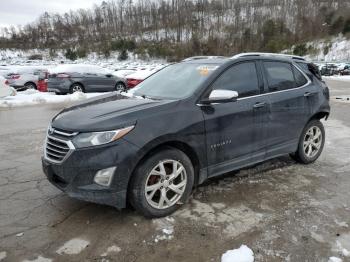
(24, 77)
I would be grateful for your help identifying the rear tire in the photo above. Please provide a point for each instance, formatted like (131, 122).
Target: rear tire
(30, 86)
(311, 143)
(76, 88)
(152, 186)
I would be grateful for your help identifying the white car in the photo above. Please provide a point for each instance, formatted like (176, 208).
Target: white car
(24, 77)
(6, 90)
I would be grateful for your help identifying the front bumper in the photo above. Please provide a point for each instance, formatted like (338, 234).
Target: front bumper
(75, 176)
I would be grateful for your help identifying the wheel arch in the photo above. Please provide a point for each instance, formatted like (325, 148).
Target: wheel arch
(319, 115)
(33, 83)
(120, 82)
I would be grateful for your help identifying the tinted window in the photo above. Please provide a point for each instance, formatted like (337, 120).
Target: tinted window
(241, 78)
(310, 69)
(299, 78)
(279, 76)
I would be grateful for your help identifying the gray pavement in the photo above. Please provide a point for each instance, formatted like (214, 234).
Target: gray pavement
(282, 210)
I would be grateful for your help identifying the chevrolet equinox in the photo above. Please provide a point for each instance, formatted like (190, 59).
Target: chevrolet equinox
(191, 121)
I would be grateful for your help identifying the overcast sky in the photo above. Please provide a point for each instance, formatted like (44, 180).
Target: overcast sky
(20, 12)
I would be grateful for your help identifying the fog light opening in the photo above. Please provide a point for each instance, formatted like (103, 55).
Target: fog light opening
(104, 177)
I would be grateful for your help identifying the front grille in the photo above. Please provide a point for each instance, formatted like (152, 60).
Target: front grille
(58, 146)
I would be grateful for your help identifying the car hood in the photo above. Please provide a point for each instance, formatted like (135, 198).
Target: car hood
(108, 112)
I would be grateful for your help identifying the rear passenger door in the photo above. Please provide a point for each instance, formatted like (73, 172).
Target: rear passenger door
(286, 88)
(235, 131)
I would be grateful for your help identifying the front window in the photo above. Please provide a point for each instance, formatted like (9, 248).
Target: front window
(176, 81)
(241, 78)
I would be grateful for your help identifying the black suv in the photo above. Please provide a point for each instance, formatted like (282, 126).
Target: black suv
(189, 122)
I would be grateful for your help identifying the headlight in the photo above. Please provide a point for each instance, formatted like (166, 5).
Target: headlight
(100, 138)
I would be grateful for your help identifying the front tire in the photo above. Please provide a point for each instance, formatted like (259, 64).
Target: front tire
(311, 143)
(161, 183)
(30, 86)
(120, 87)
(77, 88)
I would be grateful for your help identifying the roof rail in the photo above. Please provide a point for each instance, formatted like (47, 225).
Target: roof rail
(201, 57)
(268, 54)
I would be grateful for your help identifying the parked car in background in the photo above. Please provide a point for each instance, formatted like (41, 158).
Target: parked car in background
(138, 77)
(329, 70)
(6, 90)
(345, 71)
(187, 123)
(24, 77)
(83, 78)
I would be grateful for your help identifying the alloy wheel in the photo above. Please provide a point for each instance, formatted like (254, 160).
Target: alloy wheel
(312, 141)
(77, 88)
(165, 184)
(120, 87)
(30, 86)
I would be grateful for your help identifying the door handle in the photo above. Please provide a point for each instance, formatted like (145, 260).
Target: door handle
(308, 94)
(260, 105)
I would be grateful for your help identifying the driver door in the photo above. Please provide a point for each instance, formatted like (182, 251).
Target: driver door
(235, 131)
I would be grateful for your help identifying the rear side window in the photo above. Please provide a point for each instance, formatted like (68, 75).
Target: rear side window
(241, 78)
(299, 78)
(310, 68)
(279, 76)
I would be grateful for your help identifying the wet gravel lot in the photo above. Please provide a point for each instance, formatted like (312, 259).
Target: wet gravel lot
(282, 210)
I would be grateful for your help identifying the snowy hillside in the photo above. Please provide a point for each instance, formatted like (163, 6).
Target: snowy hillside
(335, 49)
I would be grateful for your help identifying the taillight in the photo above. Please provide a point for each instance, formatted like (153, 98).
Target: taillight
(133, 82)
(63, 75)
(7, 82)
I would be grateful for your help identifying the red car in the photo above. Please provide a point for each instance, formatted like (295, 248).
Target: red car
(136, 78)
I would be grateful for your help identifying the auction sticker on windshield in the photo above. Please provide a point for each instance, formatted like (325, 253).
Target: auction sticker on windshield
(205, 70)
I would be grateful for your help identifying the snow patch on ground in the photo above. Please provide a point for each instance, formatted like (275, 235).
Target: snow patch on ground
(343, 99)
(3, 255)
(335, 259)
(338, 78)
(39, 259)
(73, 247)
(242, 254)
(33, 97)
(342, 245)
(337, 47)
(110, 250)
(165, 228)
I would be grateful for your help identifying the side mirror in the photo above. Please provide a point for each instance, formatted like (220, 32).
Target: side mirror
(220, 96)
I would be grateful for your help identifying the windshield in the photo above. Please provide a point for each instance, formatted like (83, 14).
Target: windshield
(175, 81)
